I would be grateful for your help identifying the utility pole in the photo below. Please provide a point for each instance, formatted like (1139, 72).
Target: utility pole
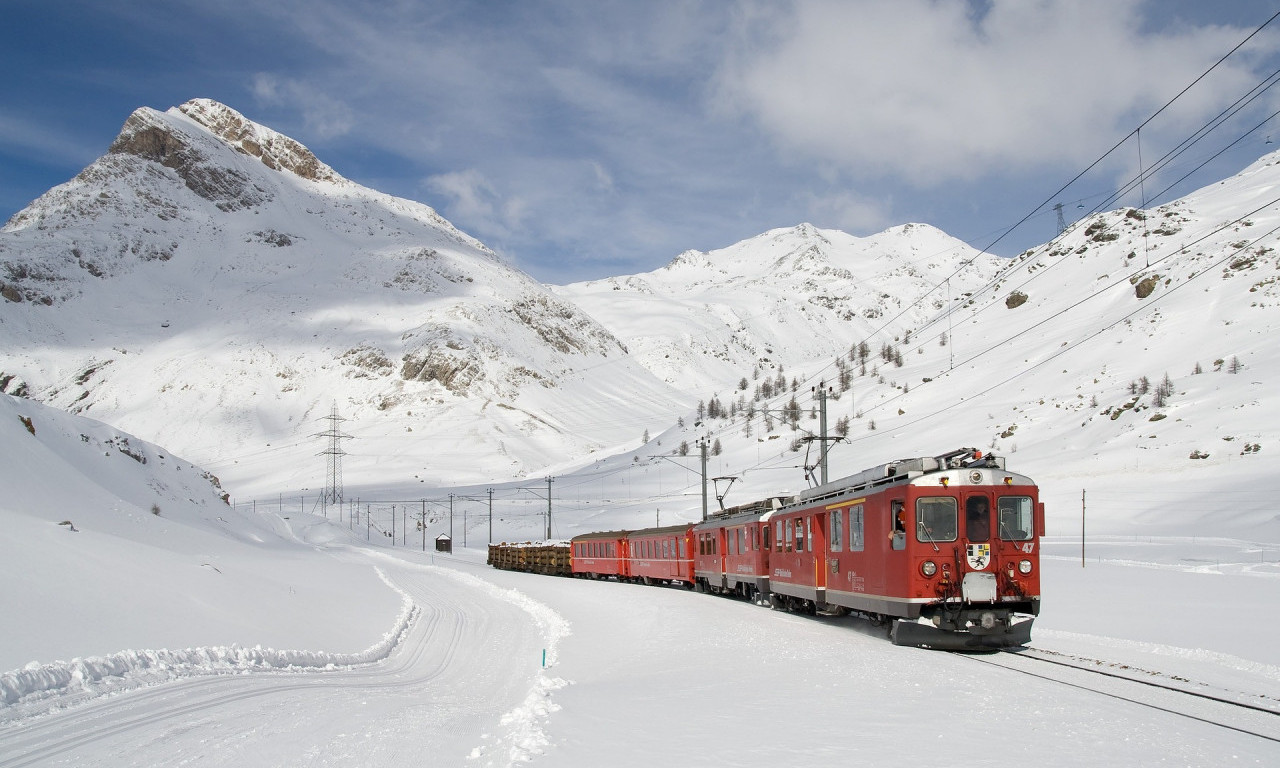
(1082, 528)
(702, 445)
(490, 515)
(451, 517)
(548, 508)
(822, 391)
(422, 523)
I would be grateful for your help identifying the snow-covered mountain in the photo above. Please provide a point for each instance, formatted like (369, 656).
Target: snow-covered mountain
(210, 284)
(785, 298)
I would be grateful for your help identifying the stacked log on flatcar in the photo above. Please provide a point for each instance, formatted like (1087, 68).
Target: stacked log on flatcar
(549, 558)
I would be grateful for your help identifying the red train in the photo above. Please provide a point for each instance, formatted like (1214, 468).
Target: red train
(946, 548)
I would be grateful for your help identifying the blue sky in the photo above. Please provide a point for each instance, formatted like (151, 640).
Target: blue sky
(587, 139)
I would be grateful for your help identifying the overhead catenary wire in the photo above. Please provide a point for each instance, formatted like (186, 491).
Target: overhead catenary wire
(1253, 93)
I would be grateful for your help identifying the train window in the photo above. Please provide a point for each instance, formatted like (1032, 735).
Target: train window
(790, 533)
(1014, 516)
(837, 530)
(799, 534)
(808, 528)
(742, 541)
(855, 528)
(764, 530)
(755, 539)
(684, 552)
(777, 539)
(897, 524)
(977, 518)
(733, 542)
(936, 519)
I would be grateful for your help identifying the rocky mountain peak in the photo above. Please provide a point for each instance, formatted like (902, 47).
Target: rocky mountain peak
(275, 150)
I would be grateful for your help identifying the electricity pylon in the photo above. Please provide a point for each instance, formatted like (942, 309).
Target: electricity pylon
(333, 467)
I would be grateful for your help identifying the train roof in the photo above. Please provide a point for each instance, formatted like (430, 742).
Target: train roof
(663, 531)
(909, 470)
(608, 535)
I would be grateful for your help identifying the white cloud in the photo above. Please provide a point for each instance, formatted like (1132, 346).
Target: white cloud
(472, 196)
(323, 116)
(933, 90)
(848, 211)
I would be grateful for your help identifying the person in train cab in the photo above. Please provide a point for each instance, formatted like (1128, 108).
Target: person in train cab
(898, 535)
(977, 519)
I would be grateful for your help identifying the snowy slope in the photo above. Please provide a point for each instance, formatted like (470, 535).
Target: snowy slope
(780, 300)
(109, 539)
(212, 285)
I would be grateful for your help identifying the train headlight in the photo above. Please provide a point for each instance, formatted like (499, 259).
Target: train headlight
(929, 568)
(1024, 567)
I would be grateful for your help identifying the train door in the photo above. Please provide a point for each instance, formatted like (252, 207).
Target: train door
(977, 530)
(892, 535)
(817, 525)
(722, 549)
(977, 517)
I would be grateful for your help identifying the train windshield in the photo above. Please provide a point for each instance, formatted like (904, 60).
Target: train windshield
(1016, 521)
(936, 519)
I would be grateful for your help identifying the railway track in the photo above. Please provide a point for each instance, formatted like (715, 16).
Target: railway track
(1255, 715)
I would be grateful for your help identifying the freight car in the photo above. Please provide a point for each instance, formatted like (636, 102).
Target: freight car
(548, 558)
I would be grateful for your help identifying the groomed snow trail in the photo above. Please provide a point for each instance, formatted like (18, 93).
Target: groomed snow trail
(461, 683)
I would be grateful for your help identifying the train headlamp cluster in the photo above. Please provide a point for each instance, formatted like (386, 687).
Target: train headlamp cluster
(928, 568)
(1024, 567)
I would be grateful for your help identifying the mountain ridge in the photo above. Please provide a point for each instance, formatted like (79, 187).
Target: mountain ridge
(453, 367)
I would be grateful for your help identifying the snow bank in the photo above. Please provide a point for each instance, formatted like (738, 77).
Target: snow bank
(59, 682)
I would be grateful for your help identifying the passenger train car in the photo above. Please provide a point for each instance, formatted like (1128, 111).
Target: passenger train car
(945, 549)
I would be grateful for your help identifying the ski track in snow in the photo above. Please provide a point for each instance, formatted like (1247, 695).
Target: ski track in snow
(523, 737)
(40, 688)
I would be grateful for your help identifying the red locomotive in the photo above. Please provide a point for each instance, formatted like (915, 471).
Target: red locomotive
(946, 548)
